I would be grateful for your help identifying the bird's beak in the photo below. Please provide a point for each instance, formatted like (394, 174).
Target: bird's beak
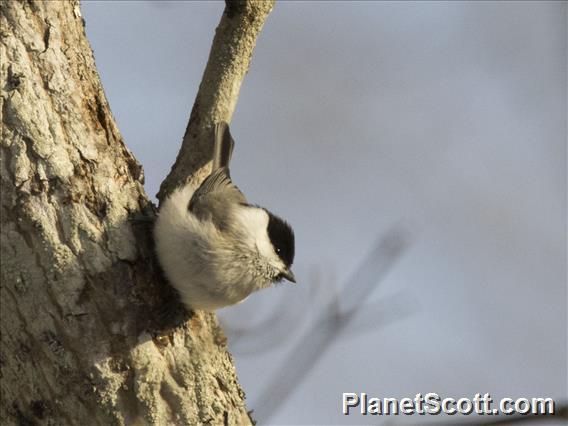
(289, 275)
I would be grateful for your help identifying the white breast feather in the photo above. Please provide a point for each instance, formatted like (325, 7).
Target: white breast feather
(208, 270)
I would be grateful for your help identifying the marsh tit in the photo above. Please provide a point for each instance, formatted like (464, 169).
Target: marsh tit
(214, 247)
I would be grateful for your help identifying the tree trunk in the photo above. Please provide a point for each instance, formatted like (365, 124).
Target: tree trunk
(79, 286)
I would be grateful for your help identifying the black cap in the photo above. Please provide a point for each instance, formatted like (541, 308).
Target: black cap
(282, 238)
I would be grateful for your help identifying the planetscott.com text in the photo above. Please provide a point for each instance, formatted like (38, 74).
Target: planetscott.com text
(433, 404)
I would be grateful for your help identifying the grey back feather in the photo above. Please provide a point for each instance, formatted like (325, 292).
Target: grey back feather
(213, 199)
(223, 147)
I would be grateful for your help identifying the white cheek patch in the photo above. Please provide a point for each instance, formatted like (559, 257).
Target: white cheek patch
(265, 248)
(255, 222)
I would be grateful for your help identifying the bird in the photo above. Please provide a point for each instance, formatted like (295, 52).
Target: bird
(216, 248)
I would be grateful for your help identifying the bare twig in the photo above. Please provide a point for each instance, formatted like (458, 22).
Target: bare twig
(284, 322)
(290, 315)
(334, 318)
(267, 334)
(229, 60)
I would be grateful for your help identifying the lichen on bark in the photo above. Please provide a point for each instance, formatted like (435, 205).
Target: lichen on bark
(79, 284)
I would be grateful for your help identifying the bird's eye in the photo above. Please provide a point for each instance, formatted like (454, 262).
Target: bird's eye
(278, 250)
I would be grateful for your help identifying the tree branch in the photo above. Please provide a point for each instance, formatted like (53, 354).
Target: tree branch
(229, 61)
(80, 341)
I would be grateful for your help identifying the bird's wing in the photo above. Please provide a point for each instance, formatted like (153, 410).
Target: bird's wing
(211, 201)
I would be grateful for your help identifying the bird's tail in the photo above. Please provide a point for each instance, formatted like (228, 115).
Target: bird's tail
(223, 148)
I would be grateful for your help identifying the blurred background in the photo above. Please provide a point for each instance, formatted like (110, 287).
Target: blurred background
(418, 150)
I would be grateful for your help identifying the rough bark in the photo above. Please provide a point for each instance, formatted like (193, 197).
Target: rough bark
(79, 286)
